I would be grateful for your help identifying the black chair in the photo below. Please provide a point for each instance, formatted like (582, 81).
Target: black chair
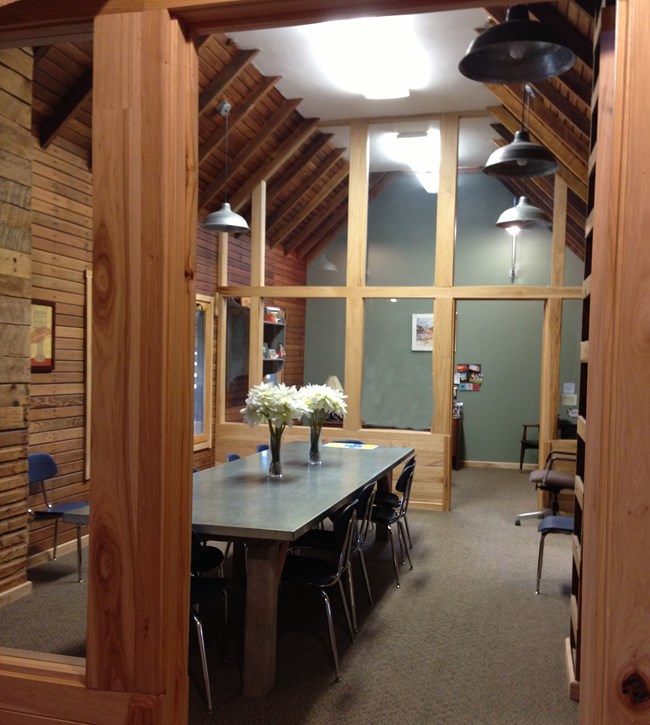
(550, 525)
(387, 516)
(202, 590)
(388, 498)
(554, 482)
(527, 443)
(326, 539)
(41, 467)
(205, 558)
(320, 569)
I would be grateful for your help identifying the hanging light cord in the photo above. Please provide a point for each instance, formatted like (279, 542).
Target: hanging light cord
(223, 109)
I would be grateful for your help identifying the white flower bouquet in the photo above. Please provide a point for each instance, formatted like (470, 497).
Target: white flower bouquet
(321, 401)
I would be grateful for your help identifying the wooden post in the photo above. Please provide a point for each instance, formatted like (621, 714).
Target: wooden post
(356, 270)
(145, 109)
(444, 310)
(258, 248)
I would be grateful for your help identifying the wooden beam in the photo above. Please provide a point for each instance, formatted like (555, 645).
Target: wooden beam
(581, 46)
(66, 109)
(243, 109)
(279, 183)
(333, 207)
(315, 202)
(274, 161)
(316, 175)
(218, 85)
(144, 228)
(580, 121)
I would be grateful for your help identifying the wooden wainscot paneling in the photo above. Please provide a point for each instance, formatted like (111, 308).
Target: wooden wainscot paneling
(430, 451)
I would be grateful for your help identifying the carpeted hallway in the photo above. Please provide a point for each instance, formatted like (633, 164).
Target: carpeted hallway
(464, 641)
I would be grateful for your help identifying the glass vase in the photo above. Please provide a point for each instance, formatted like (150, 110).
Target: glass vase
(314, 445)
(275, 441)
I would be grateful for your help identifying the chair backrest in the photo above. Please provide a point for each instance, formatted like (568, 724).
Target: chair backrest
(364, 511)
(40, 467)
(409, 466)
(232, 457)
(349, 440)
(406, 483)
(262, 447)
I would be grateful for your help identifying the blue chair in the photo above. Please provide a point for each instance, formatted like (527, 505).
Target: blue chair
(232, 457)
(41, 467)
(353, 441)
(202, 590)
(262, 447)
(319, 570)
(550, 525)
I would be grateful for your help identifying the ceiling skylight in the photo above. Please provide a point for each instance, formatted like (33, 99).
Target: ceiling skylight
(379, 58)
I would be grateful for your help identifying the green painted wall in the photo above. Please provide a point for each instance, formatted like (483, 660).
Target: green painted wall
(504, 337)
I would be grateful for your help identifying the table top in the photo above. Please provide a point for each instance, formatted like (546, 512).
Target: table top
(238, 500)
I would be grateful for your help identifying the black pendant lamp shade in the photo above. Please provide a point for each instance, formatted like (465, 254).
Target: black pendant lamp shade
(517, 51)
(523, 215)
(522, 157)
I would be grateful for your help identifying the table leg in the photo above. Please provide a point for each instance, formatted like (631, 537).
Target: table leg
(264, 562)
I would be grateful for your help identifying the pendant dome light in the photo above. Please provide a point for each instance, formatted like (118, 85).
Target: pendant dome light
(516, 51)
(225, 220)
(523, 216)
(522, 157)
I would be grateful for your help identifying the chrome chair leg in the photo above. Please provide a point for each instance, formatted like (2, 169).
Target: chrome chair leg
(330, 626)
(79, 559)
(346, 609)
(408, 531)
(353, 603)
(204, 659)
(365, 574)
(400, 528)
(56, 536)
(540, 559)
(392, 547)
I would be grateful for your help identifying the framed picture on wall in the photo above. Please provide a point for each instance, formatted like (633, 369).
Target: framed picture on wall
(422, 332)
(42, 337)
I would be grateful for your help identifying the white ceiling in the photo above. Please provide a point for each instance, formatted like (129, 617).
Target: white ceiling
(288, 52)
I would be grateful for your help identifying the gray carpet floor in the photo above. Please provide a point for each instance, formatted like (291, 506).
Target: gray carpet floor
(464, 641)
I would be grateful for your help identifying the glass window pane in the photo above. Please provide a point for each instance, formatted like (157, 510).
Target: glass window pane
(238, 323)
(324, 341)
(199, 370)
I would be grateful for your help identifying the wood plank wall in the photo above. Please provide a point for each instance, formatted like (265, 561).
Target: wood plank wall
(15, 281)
(62, 252)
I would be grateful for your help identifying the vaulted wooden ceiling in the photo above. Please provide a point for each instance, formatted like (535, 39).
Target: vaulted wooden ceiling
(306, 174)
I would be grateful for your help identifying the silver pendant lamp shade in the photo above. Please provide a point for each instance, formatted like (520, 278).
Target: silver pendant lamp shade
(225, 219)
(523, 215)
(516, 51)
(522, 157)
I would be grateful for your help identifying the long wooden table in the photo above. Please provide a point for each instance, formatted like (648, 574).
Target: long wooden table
(238, 502)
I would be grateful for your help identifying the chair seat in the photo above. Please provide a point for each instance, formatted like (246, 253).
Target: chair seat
(387, 499)
(556, 525)
(552, 480)
(308, 570)
(58, 509)
(384, 515)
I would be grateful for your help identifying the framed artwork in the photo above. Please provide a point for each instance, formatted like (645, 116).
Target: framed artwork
(422, 332)
(42, 337)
